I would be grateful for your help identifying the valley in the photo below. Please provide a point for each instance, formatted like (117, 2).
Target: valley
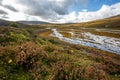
(60, 51)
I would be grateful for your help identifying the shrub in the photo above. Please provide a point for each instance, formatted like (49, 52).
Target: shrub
(19, 36)
(6, 40)
(53, 41)
(13, 24)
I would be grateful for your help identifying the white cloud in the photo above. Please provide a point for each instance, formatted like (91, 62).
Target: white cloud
(84, 10)
(44, 9)
(71, 17)
(104, 12)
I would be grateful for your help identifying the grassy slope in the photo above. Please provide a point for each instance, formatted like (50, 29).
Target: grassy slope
(26, 55)
(113, 22)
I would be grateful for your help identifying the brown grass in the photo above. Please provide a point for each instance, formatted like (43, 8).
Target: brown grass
(45, 34)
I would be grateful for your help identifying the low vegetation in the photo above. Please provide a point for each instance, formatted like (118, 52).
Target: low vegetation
(13, 24)
(27, 56)
(29, 53)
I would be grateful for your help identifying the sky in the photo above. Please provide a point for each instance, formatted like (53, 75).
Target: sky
(58, 11)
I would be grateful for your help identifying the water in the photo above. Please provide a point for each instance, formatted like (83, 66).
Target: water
(100, 42)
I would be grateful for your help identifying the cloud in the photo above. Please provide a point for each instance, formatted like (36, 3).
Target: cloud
(104, 12)
(84, 10)
(10, 8)
(4, 17)
(46, 9)
(0, 2)
(3, 12)
(55, 10)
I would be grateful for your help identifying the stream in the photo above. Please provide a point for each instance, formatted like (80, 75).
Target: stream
(95, 41)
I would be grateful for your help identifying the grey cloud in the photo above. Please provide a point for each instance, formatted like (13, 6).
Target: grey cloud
(3, 12)
(0, 2)
(10, 8)
(48, 8)
(4, 17)
(43, 8)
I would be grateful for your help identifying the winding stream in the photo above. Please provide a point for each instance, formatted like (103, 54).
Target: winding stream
(100, 42)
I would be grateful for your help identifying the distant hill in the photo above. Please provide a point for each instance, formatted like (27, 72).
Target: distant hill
(21, 23)
(33, 22)
(4, 22)
(112, 22)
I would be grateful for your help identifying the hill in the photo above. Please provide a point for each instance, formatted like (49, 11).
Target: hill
(112, 22)
(4, 22)
(33, 22)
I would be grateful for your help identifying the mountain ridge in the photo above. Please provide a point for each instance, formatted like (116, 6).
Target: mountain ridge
(33, 22)
(111, 22)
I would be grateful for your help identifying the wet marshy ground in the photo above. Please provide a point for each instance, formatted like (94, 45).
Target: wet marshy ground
(103, 39)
